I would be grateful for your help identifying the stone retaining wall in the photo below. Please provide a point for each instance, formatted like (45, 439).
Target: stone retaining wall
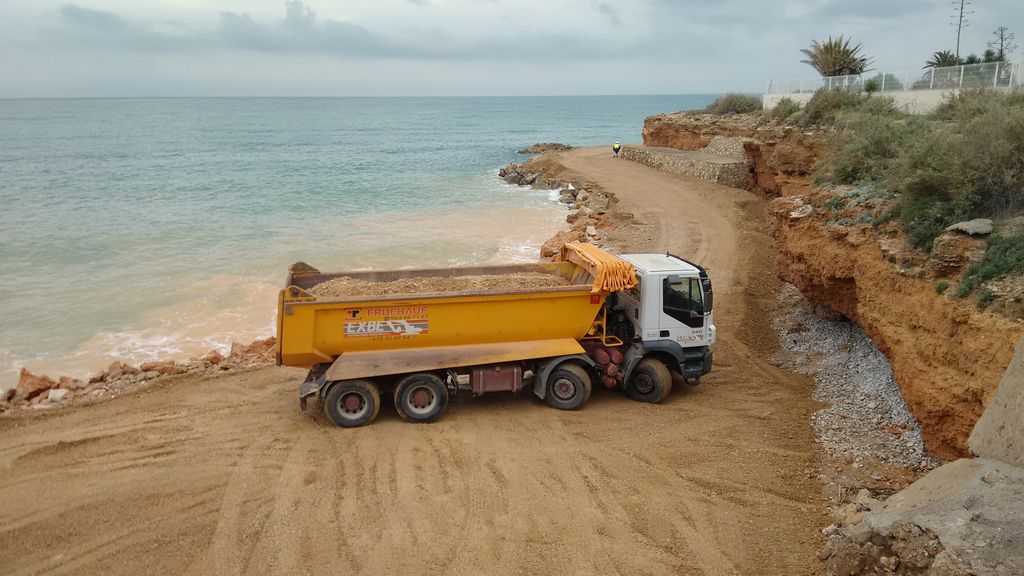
(709, 165)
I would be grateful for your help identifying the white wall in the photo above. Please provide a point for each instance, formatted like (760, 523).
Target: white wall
(911, 101)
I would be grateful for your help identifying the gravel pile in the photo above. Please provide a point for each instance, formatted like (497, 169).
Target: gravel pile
(867, 417)
(346, 286)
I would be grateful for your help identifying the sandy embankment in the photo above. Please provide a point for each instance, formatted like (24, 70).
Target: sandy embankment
(218, 471)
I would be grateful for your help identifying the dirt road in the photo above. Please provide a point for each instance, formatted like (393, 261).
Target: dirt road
(225, 476)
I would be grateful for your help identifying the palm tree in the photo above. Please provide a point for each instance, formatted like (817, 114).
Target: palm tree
(835, 57)
(972, 59)
(942, 59)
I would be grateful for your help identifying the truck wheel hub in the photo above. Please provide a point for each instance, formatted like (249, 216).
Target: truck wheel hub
(564, 388)
(421, 397)
(420, 401)
(352, 402)
(643, 384)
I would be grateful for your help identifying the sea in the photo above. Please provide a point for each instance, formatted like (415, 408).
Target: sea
(143, 229)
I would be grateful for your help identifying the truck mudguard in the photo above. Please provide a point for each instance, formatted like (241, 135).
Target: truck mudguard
(545, 367)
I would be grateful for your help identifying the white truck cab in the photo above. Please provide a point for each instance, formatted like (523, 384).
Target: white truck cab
(671, 310)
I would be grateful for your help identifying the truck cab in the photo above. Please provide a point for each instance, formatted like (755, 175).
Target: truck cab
(671, 310)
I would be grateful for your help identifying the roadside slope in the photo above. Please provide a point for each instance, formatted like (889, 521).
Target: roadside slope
(224, 475)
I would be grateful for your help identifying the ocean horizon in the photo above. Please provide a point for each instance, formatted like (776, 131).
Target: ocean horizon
(137, 229)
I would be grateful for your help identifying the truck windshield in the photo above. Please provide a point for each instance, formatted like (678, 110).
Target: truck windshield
(682, 301)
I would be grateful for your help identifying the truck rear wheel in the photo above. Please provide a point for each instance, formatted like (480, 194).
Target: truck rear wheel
(352, 403)
(421, 397)
(568, 387)
(651, 381)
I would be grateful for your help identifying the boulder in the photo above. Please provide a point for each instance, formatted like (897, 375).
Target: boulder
(213, 357)
(976, 227)
(554, 245)
(583, 196)
(31, 386)
(57, 394)
(591, 231)
(973, 506)
(8, 395)
(68, 383)
(952, 252)
(162, 368)
(118, 369)
(801, 212)
(999, 433)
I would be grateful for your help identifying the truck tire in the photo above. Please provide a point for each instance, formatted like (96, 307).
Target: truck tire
(352, 403)
(651, 381)
(421, 398)
(568, 387)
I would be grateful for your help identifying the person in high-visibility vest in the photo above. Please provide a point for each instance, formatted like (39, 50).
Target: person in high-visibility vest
(616, 147)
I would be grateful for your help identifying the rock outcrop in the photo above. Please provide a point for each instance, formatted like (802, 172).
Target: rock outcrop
(781, 156)
(587, 203)
(542, 147)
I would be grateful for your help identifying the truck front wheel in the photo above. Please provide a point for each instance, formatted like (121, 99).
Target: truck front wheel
(421, 398)
(651, 381)
(352, 403)
(568, 387)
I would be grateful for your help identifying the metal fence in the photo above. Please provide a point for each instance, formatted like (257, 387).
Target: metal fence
(970, 76)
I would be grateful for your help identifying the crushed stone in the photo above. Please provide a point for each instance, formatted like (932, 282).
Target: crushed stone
(867, 417)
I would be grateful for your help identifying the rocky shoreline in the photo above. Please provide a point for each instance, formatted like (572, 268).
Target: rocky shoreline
(591, 214)
(39, 392)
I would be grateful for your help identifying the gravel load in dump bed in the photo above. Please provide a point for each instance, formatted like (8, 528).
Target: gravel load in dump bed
(346, 286)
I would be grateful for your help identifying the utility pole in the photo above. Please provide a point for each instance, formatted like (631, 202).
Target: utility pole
(960, 13)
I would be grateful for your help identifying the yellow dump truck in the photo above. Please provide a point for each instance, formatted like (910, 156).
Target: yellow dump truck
(626, 322)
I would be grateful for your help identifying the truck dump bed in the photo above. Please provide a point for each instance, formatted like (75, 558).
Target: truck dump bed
(468, 326)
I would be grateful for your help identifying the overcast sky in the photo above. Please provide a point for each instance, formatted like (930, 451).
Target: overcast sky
(456, 47)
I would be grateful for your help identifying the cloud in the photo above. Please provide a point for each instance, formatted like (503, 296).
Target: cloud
(301, 31)
(607, 10)
(876, 9)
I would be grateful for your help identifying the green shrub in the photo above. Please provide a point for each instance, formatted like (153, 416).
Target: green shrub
(884, 218)
(783, 110)
(891, 83)
(942, 286)
(985, 298)
(1005, 255)
(868, 143)
(970, 166)
(825, 105)
(872, 86)
(973, 103)
(734, 103)
(835, 203)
